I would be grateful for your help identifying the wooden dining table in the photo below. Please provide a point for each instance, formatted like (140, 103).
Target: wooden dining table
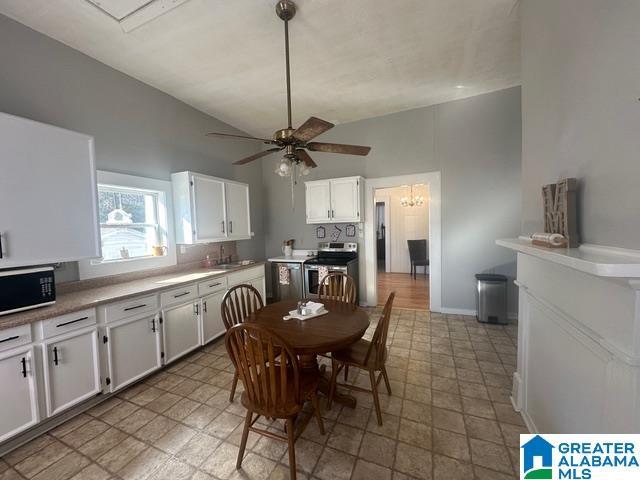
(343, 325)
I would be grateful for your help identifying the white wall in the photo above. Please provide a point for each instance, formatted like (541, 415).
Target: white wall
(405, 223)
(580, 112)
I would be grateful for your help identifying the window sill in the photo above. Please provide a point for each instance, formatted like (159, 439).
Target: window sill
(94, 269)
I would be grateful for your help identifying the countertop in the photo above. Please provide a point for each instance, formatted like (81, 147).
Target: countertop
(82, 298)
(593, 259)
(292, 259)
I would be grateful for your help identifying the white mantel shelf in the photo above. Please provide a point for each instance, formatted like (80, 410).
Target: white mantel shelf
(593, 259)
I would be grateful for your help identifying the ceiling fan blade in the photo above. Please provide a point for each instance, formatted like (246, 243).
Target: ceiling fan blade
(256, 156)
(311, 129)
(338, 148)
(304, 156)
(245, 137)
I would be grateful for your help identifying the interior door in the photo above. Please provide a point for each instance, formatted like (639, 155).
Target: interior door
(180, 330)
(238, 214)
(208, 208)
(18, 394)
(212, 325)
(318, 202)
(133, 349)
(71, 369)
(345, 203)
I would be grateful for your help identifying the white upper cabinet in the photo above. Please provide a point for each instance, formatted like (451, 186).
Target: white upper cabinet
(237, 195)
(209, 209)
(336, 200)
(318, 201)
(48, 194)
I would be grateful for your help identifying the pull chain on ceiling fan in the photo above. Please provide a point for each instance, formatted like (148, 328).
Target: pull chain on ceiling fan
(295, 142)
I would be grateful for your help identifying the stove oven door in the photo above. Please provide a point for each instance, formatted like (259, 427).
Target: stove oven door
(312, 278)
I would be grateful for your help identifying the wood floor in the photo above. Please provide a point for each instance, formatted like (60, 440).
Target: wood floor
(410, 293)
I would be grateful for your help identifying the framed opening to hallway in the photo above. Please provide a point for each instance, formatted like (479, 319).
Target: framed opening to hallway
(368, 258)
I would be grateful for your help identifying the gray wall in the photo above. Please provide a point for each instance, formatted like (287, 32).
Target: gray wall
(580, 110)
(138, 129)
(476, 145)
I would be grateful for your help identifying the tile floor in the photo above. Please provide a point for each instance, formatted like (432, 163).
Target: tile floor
(449, 418)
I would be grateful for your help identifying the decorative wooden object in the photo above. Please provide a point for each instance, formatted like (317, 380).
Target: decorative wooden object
(370, 356)
(237, 304)
(560, 209)
(271, 389)
(337, 286)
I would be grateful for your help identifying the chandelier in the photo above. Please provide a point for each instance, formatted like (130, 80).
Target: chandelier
(412, 201)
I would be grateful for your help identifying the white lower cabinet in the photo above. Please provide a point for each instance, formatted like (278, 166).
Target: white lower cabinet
(212, 325)
(258, 284)
(133, 349)
(181, 330)
(71, 369)
(18, 392)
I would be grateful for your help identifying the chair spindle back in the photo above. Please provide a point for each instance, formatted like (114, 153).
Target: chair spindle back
(338, 286)
(238, 303)
(378, 345)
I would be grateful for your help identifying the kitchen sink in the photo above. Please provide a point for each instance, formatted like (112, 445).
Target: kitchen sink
(230, 265)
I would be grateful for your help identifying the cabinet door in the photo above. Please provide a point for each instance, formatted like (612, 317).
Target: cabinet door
(18, 394)
(212, 326)
(133, 349)
(318, 202)
(71, 369)
(181, 330)
(238, 218)
(208, 208)
(345, 200)
(48, 197)
(258, 284)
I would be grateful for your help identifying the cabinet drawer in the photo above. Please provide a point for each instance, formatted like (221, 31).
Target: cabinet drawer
(67, 323)
(131, 307)
(243, 276)
(14, 337)
(179, 295)
(212, 285)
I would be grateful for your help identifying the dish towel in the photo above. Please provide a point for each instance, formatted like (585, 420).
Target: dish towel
(314, 307)
(284, 275)
(322, 272)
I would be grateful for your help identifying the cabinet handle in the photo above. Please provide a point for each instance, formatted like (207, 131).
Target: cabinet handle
(8, 339)
(0, 245)
(333, 213)
(133, 308)
(24, 367)
(196, 308)
(222, 226)
(70, 322)
(181, 294)
(215, 284)
(328, 213)
(55, 356)
(204, 307)
(230, 226)
(153, 324)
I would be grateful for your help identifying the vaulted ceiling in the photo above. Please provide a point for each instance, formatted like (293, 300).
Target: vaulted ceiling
(350, 59)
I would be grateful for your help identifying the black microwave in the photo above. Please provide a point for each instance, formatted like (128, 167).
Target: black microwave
(24, 289)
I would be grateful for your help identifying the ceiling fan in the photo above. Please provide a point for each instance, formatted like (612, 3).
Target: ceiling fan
(295, 142)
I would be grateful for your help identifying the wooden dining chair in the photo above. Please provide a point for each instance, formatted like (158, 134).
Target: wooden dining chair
(237, 304)
(338, 286)
(366, 355)
(272, 390)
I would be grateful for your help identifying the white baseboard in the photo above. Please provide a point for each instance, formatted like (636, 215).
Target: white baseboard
(471, 313)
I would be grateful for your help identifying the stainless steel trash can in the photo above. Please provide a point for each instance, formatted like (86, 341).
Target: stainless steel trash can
(491, 298)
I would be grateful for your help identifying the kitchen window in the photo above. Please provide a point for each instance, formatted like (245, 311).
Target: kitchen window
(135, 225)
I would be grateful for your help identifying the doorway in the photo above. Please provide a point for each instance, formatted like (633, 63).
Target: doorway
(402, 239)
(369, 258)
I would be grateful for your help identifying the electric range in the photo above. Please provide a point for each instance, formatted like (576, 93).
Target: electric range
(332, 257)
